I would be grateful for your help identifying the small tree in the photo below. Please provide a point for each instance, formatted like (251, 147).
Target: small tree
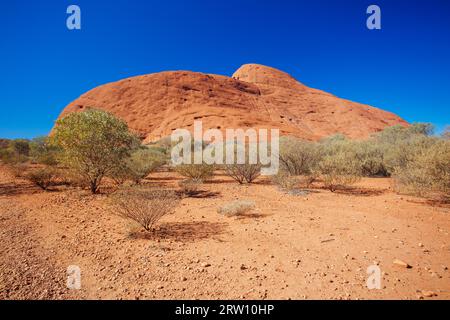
(93, 143)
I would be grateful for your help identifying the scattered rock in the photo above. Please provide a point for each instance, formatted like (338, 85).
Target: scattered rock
(401, 263)
(428, 294)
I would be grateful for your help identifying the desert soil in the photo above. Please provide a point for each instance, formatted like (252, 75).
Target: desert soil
(315, 246)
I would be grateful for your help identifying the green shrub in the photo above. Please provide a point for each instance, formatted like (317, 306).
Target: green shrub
(138, 166)
(299, 157)
(14, 152)
(21, 147)
(93, 144)
(43, 152)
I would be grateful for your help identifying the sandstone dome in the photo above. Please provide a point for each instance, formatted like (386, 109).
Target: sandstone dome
(255, 96)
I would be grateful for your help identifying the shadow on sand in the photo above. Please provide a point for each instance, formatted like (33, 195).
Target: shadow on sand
(361, 192)
(183, 231)
(12, 189)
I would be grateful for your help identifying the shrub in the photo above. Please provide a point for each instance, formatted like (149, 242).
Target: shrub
(93, 143)
(285, 181)
(140, 164)
(370, 155)
(338, 171)
(427, 169)
(42, 152)
(243, 172)
(405, 151)
(144, 206)
(190, 187)
(196, 171)
(43, 177)
(299, 157)
(235, 208)
(18, 170)
(446, 133)
(339, 166)
(21, 147)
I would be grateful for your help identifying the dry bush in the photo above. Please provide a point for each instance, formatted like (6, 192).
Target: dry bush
(72, 178)
(143, 205)
(370, 155)
(340, 166)
(196, 171)
(339, 170)
(427, 170)
(42, 177)
(298, 157)
(286, 181)
(190, 187)
(446, 133)
(236, 208)
(18, 170)
(243, 172)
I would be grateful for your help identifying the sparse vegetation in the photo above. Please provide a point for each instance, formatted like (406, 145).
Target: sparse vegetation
(446, 133)
(339, 166)
(285, 181)
(42, 177)
(94, 143)
(43, 152)
(236, 208)
(144, 205)
(243, 172)
(425, 171)
(13, 152)
(138, 166)
(198, 172)
(298, 157)
(190, 187)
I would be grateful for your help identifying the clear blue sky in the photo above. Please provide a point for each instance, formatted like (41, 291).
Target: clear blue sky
(403, 68)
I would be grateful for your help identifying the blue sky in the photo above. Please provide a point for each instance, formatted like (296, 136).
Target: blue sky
(403, 68)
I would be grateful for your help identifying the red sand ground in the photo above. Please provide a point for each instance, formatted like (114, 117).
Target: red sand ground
(291, 247)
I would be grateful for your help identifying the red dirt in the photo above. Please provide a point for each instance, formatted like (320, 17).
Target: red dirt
(300, 247)
(257, 96)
